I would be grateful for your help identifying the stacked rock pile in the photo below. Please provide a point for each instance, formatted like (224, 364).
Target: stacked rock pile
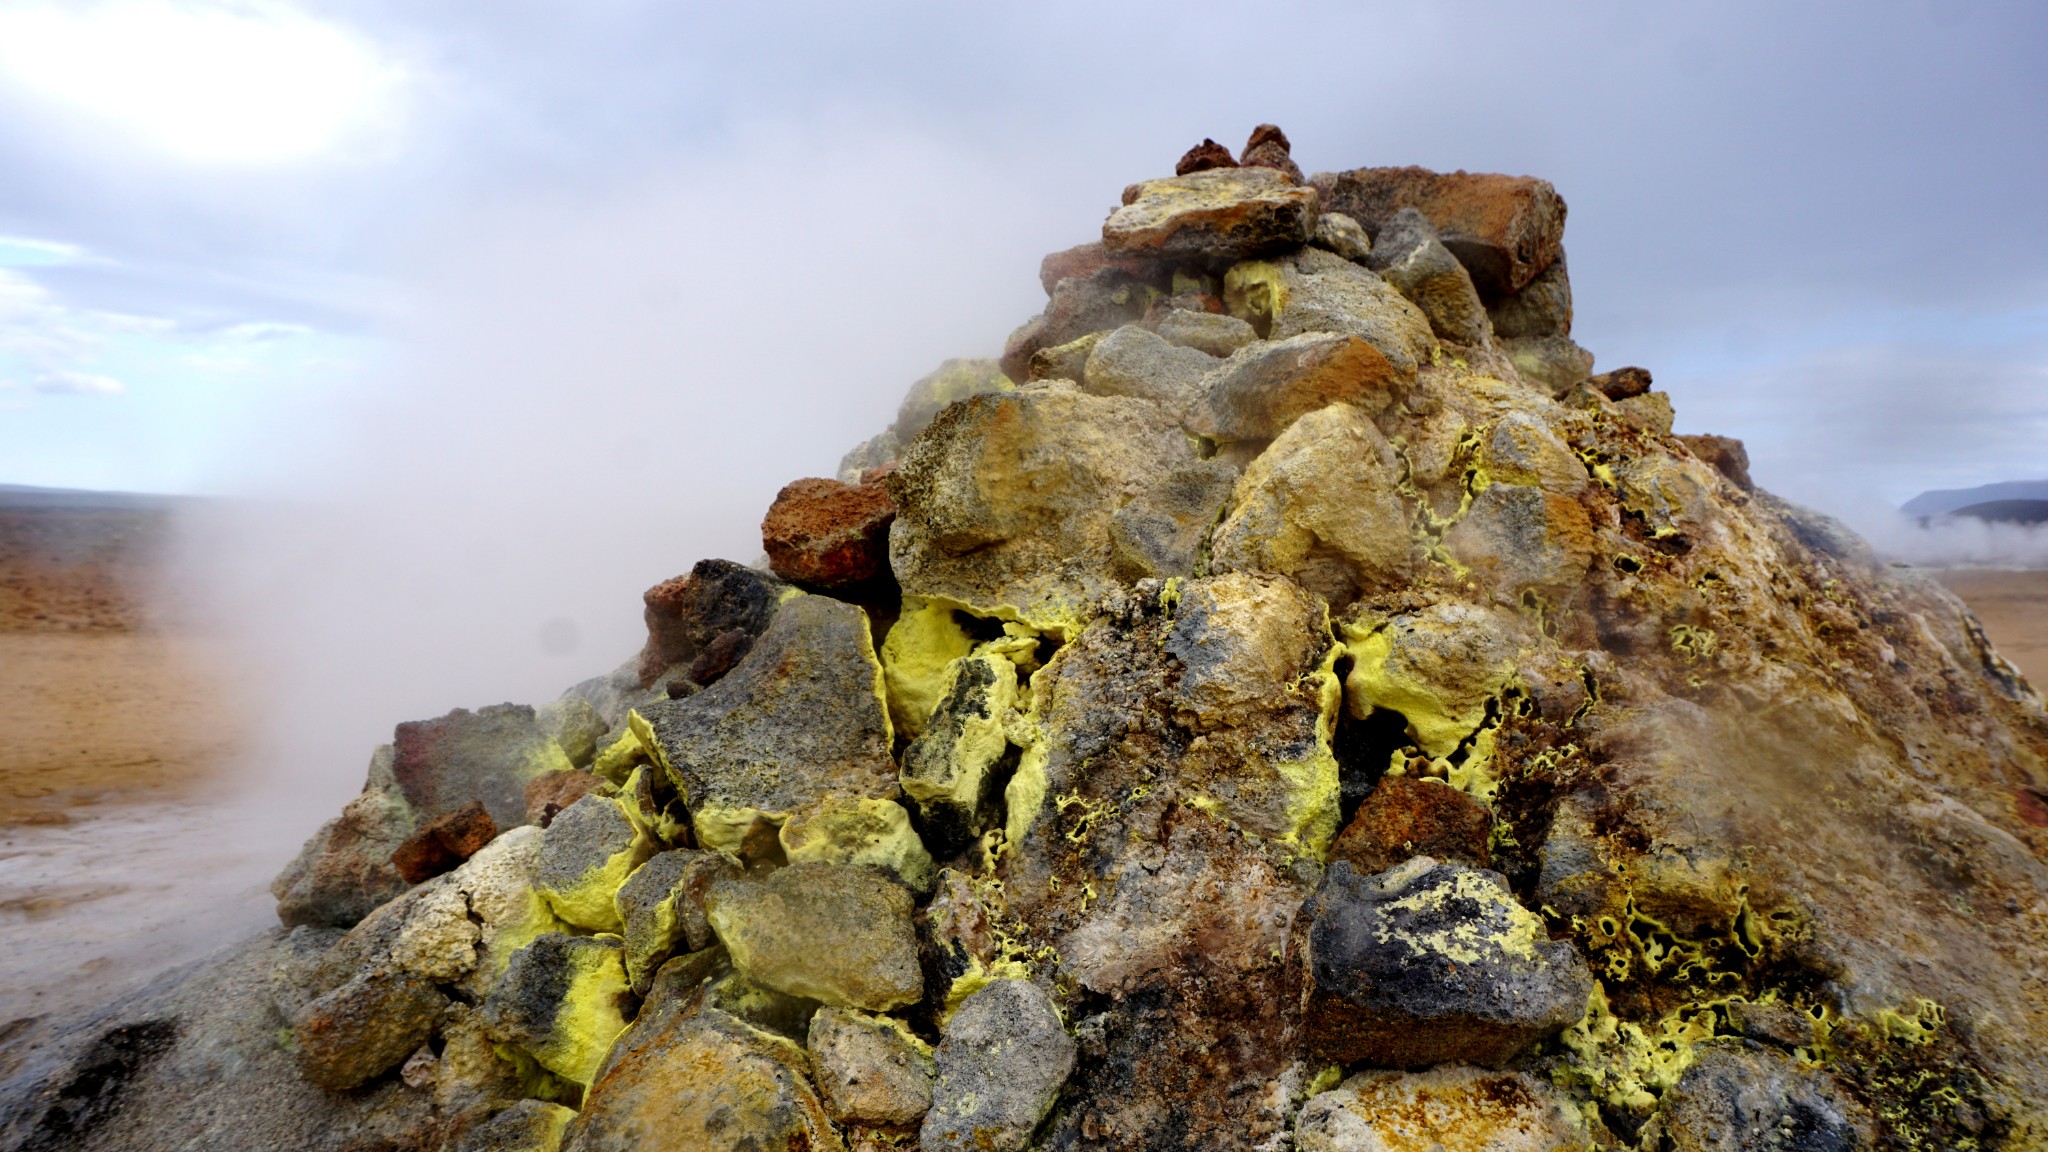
(1288, 700)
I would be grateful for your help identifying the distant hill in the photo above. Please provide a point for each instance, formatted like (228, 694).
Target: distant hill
(22, 496)
(1988, 502)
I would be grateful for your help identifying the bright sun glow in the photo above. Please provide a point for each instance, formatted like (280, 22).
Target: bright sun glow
(250, 82)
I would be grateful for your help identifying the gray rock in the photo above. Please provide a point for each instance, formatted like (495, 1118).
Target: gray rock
(1103, 299)
(561, 1000)
(1317, 291)
(364, 1028)
(1336, 232)
(1542, 308)
(880, 449)
(344, 872)
(1428, 963)
(951, 771)
(1552, 362)
(487, 755)
(295, 968)
(1739, 1097)
(574, 723)
(1132, 361)
(528, 1126)
(800, 716)
(1265, 387)
(951, 381)
(1164, 530)
(1211, 332)
(1411, 258)
(587, 852)
(870, 1069)
(1001, 1063)
(1519, 539)
(839, 934)
(662, 907)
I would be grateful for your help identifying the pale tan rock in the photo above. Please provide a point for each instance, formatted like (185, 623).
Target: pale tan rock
(1518, 540)
(839, 934)
(1132, 361)
(870, 1069)
(1523, 449)
(1451, 1108)
(1216, 216)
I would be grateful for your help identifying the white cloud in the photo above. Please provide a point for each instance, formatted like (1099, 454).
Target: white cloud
(21, 252)
(79, 384)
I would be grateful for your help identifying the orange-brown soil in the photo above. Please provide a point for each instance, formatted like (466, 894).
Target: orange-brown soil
(2013, 603)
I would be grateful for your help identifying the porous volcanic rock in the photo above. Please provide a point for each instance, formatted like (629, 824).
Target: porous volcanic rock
(1000, 1066)
(465, 757)
(839, 934)
(1505, 229)
(1214, 217)
(1450, 1108)
(827, 533)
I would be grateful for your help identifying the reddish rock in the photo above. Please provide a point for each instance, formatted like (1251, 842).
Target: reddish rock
(688, 612)
(1725, 453)
(1621, 383)
(1407, 816)
(828, 533)
(551, 792)
(1204, 156)
(445, 842)
(718, 657)
(1269, 148)
(1505, 229)
(487, 755)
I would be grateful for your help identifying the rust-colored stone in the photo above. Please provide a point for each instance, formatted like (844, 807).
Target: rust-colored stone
(1204, 156)
(688, 612)
(445, 842)
(829, 533)
(551, 792)
(1269, 148)
(1725, 453)
(1407, 816)
(1087, 259)
(1505, 229)
(1621, 383)
(718, 657)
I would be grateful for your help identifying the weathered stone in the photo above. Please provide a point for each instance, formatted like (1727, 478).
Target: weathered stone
(704, 1082)
(1001, 1063)
(1432, 962)
(829, 534)
(294, 972)
(952, 381)
(1269, 148)
(487, 755)
(1739, 1096)
(835, 933)
(662, 907)
(364, 1028)
(716, 659)
(1067, 361)
(438, 940)
(1214, 217)
(1727, 454)
(1446, 1109)
(1336, 232)
(1439, 668)
(1211, 332)
(1650, 411)
(561, 1000)
(877, 451)
(1007, 500)
(801, 716)
(870, 832)
(1543, 306)
(1411, 258)
(444, 842)
(1204, 156)
(528, 1126)
(344, 872)
(1406, 817)
(574, 723)
(1265, 387)
(1523, 449)
(1317, 291)
(1773, 1022)
(1505, 229)
(1132, 361)
(1096, 302)
(1322, 505)
(688, 612)
(870, 1069)
(1622, 383)
(1518, 540)
(549, 793)
(951, 771)
(585, 855)
(1163, 530)
(1084, 260)
(1552, 362)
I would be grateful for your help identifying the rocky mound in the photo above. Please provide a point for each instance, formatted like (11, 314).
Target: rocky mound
(1287, 701)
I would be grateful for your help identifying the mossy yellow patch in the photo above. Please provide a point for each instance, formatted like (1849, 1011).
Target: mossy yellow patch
(727, 828)
(982, 739)
(1313, 784)
(1255, 291)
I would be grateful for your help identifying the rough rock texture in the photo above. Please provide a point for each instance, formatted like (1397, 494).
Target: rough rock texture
(1554, 362)
(951, 381)
(1164, 529)
(1316, 291)
(1133, 361)
(1543, 306)
(662, 907)
(689, 612)
(1000, 1066)
(1267, 386)
(1505, 229)
(868, 832)
(1211, 332)
(1407, 816)
(1336, 232)
(1204, 156)
(484, 756)
(827, 533)
(365, 1027)
(839, 934)
(1738, 1096)
(1269, 148)
(870, 1069)
(444, 842)
(562, 1000)
(1213, 217)
(1411, 258)
(1096, 301)
(585, 854)
(1450, 1108)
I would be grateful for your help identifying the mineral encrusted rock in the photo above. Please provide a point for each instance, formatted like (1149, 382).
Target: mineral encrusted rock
(1157, 803)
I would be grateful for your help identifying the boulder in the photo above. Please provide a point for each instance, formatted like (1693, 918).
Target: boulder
(662, 907)
(1650, 411)
(1317, 291)
(1163, 530)
(1001, 1063)
(1266, 386)
(877, 451)
(1106, 298)
(688, 612)
(802, 715)
(574, 723)
(1006, 501)
(1622, 383)
(1338, 233)
(952, 381)
(484, 756)
(827, 533)
(1406, 816)
(1212, 332)
(1204, 156)
(1440, 668)
(1737, 1096)
(951, 771)
(1524, 449)
(1133, 361)
(870, 1070)
(1213, 217)
(1407, 253)
(1067, 361)
(1322, 505)
(345, 871)
(1432, 962)
(364, 1028)
(1082, 261)
(1452, 1108)
(1551, 362)
(1505, 229)
(1269, 148)
(549, 793)
(562, 1000)
(836, 933)
(869, 832)
(1519, 540)
(444, 842)
(1543, 306)
(585, 855)
(1727, 454)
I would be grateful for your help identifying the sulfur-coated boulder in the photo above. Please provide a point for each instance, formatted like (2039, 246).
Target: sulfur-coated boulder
(1451, 1108)
(575, 724)
(1163, 530)
(1338, 233)
(585, 855)
(802, 715)
(687, 613)
(1738, 1095)
(1317, 291)
(1001, 1062)
(1265, 387)
(364, 1028)
(1216, 333)
(1518, 540)
(1543, 306)
(870, 1070)
(951, 770)
(1133, 361)
(1524, 449)
(1440, 669)
(827, 533)
(1213, 217)
(839, 934)
(487, 755)
(562, 1000)
(344, 872)
(528, 1126)
(1431, 962)
(1006, 501)
(1409, 256)
(662, 907)
(870, 832)
(1505, 229)
(1322, 505)
(1406, 816)
(953, 380)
